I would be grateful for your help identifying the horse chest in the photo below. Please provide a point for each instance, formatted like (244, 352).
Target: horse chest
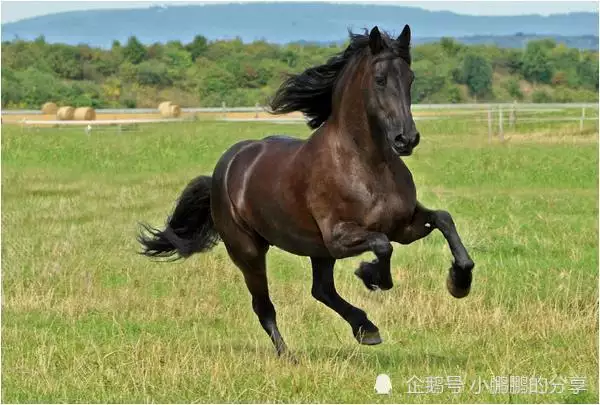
(380, 204)
(387, 212)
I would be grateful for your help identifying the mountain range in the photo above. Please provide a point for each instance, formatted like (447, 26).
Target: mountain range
(298, 22)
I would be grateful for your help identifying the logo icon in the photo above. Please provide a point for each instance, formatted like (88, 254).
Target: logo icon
(383, 384)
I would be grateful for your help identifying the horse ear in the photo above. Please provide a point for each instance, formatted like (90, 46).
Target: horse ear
(375, 41)
(404, 37)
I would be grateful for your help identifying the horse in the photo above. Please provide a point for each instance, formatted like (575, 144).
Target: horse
(342, 192)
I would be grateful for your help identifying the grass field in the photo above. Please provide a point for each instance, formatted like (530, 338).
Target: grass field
(86, 319)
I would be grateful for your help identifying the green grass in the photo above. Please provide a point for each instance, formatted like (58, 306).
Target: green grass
(86, 319)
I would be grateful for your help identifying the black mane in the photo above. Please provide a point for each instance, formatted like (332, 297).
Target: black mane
(311, 91)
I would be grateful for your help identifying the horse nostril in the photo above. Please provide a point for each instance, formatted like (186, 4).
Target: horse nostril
(399, 140)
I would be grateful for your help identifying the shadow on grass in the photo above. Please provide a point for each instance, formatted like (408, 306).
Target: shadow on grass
(386, 358)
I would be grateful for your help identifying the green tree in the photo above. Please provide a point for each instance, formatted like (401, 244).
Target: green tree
(450, 46)
(12, 93)
(155, 51)
(514, 89)
(40, 40)
(429, 79)
(454, 94)
(134, 51)
(197, 47)
(477, 75)
(112, 88)
(537, 67)
(587, 71)
(207, 73)
(175, 44)
(541, 96)
(176, 58)
(128, 72)
(38, 87)
(216, 83)
(65, 60)
(153, 73)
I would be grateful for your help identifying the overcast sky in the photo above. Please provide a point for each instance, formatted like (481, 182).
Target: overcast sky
(17, 10)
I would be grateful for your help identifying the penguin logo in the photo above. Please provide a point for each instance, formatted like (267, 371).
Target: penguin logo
(383, 384)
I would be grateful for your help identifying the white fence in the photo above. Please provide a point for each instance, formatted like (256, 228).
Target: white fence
(496, 115)
(415, 107)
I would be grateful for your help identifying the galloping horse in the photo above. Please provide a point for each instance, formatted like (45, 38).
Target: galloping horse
(342, 192)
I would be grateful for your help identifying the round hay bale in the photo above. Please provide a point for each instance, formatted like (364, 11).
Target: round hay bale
(49, 108)
(175, 111)
(84, 114)
(65, 113)
(164, 107)
(170, 111)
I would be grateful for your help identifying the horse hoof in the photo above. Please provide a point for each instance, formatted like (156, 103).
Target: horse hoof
(458, 282)
(386, 285)
(369, 274)
(289, 357)
(368, 338)
(366, 275)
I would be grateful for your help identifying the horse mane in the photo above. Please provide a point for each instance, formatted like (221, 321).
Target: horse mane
(311, 91)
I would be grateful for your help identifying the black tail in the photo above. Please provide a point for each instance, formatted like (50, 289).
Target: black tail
(190, 229)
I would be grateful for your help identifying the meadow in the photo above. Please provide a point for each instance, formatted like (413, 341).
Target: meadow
(87, 319)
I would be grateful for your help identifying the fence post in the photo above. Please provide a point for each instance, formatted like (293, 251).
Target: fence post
(257, 109)
(489, 123)
(500, 124)
(224, 108)
(581, 120)
(512, 118)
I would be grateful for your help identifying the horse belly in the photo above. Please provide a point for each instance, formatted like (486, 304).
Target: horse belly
(293, 239)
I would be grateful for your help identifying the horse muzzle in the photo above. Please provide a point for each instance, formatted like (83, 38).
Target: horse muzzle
(403, 145)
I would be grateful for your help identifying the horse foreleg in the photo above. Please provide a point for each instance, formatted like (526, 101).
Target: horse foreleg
(423, 222)
(345, 239)
(323, 289)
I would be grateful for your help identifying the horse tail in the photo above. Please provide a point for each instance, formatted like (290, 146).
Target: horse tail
(190, 228)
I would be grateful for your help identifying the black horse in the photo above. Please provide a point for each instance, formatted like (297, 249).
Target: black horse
(342, 192)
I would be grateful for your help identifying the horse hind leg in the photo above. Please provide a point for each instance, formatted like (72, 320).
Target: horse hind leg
(249, 255)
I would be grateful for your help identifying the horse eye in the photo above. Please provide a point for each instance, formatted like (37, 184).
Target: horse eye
(380, 80)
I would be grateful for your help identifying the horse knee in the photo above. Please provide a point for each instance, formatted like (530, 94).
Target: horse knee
(382, 247)
(443, 219)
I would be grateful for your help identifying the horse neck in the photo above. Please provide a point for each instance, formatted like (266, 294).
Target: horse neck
(349, 123)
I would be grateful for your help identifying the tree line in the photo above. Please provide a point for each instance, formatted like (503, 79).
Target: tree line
(207, 73)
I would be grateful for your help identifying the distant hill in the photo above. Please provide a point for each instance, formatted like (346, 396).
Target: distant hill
(293, 22)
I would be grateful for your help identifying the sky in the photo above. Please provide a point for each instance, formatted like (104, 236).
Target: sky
(19, 9)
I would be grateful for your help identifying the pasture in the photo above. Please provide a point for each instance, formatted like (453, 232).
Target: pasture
(86, 319)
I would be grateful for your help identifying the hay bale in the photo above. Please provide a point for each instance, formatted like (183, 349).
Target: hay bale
(175, 111)
(170, 111)
(164, 107)
(84, 114)
(65, 113)
(49, 108)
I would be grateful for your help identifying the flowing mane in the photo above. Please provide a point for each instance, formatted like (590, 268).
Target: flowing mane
(311, 91)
